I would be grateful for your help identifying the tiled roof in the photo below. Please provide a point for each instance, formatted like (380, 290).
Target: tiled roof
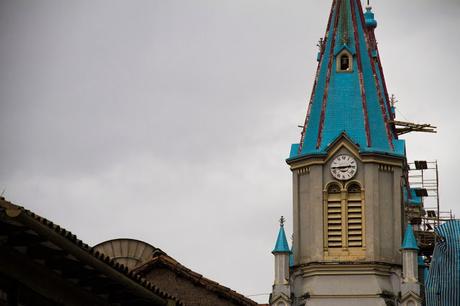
(14, 215)
(160, 258)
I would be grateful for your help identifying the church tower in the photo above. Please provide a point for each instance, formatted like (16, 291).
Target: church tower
(347, 175)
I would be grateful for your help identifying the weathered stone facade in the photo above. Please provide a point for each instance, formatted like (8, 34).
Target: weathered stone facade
(365, 275)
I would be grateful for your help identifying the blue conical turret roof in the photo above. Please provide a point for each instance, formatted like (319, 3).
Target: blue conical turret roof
(281, 245)
(353, 101)
(409, 243)
(421, 261)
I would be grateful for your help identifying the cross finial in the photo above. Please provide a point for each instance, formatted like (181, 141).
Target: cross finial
(282, 220)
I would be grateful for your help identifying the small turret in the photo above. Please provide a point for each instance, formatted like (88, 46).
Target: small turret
(281, 288)
(369, 18)
(410, 288)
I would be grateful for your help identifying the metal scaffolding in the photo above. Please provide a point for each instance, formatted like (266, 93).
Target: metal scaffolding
(424, 181)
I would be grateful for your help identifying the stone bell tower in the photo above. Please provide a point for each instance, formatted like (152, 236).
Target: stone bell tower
(347, 175)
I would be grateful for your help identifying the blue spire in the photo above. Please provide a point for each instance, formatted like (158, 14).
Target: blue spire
(349, 93)
(291, 258)
(409, 243)
(281, 245)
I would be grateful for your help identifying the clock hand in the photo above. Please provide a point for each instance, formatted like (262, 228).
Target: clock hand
(340, 167)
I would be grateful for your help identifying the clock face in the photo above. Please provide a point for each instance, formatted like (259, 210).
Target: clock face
(344, 167)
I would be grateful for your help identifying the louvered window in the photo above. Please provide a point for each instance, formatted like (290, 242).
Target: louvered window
(334, 217)
(344, 217)
(354, 216)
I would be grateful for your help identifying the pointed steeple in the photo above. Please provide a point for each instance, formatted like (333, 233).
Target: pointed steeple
(409, 242)
(410, 287)
(349, 93)
(281, 245)
(281, 292)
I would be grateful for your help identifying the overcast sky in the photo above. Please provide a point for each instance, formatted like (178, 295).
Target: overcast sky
(169, 121)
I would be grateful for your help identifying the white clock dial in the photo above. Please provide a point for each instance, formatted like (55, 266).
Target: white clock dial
(344, 167)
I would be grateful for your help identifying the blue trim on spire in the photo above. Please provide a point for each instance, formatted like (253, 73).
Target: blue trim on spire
(409, 243)
(311, 133)
(376, 122)
(339, 49)
(281, 245)
(400, 147)
(381, 84)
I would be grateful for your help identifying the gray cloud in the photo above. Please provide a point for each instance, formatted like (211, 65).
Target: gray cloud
(169, 121)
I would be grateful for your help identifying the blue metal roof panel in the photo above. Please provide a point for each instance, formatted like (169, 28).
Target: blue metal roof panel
(442, 285)
(381, 84)
(344, 109)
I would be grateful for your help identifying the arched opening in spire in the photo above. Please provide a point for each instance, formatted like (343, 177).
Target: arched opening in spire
(344, 61)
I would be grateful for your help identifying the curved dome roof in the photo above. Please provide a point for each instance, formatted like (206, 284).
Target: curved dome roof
(128, 252)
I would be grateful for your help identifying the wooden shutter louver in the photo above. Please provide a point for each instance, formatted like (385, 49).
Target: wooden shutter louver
(354, 216)
(334, 217)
